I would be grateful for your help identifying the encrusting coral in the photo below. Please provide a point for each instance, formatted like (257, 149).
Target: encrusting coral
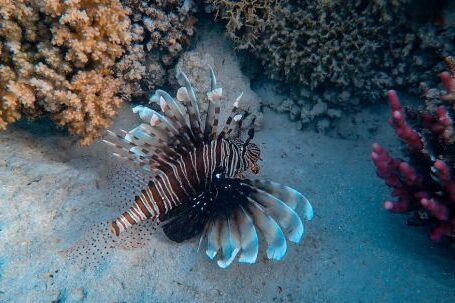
(340, 55)
(56, 59)
(424, 184)
(160, 31)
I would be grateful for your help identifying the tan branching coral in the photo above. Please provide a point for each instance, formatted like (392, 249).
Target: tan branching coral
(246, 19)
(56, 58)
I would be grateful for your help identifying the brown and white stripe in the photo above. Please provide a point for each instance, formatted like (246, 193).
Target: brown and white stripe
(177, 180)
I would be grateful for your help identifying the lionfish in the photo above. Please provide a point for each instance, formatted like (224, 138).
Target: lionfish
(198, 185)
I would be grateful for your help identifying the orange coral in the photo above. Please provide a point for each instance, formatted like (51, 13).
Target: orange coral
(56, 58)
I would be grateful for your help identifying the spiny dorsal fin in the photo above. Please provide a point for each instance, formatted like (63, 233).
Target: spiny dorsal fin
(177, 108)
(181, 130)
(190, 101)
(229, 120)
(213, 113)
(234, 127)
(193, 112)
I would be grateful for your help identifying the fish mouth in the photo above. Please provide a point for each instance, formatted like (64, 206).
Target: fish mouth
(255, 169)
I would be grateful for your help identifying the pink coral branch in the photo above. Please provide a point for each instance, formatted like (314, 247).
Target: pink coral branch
(441, 231)
(436, 208)
(424, 184)
(401, 206)
(402, 128)
(449, 84)
(446, 178)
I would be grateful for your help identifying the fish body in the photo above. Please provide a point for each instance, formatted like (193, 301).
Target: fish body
(181, 179)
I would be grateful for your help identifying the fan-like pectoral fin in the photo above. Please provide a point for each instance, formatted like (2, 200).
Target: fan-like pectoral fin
(274, 236)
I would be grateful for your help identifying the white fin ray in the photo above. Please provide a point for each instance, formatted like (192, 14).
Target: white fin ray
(125, 154)
(213, 82)
(234, 127)
(249, 242)
(195, 126)
(272, 232)
(230, 118)
(286, 217)
(140, 133)
(188, 95)
(157, 129)
(213, 112)
(288, 195)
(214, 97)
(213, 239)
(160, 129)
(180, 130)
(126, 150)
(176, 107)
(144, 112)
(230, 243)
(165, 123)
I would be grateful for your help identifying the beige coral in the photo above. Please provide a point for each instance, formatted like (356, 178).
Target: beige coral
(160, 30)
(246, 19)
(167, 25)
(57, 59)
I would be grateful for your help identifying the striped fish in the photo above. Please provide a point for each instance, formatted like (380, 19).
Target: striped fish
(198, 185)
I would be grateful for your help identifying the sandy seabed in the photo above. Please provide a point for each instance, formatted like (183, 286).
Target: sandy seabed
(354, 251)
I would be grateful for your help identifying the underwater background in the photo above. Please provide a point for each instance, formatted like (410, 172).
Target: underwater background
(315, 74)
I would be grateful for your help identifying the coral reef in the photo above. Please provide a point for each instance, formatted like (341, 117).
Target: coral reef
(56, 59)
(246, 20)
(425, 183)
(160, 31)
(340, 55)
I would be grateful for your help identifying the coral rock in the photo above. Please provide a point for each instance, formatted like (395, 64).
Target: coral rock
(246, 20)
(347, 53)
(161, 29)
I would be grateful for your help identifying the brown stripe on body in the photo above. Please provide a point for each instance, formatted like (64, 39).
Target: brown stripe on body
(187, 188)
(177, 182)
(174, 182)
(141, 205)
(191, 172)
(184, 174)
(135, 211)
(158, 200)
(128, 218)
(200, 165)
(171, 186)
(218, 152)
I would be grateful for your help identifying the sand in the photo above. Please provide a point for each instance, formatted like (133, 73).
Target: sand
(354, 251)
